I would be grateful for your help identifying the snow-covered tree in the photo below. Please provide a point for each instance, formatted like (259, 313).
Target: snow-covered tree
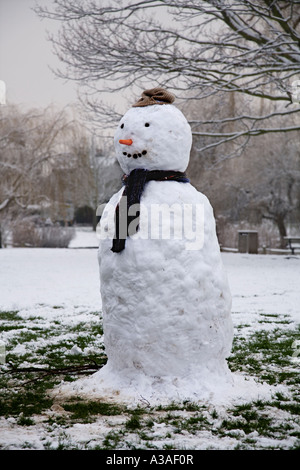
(198, 48)
(275, 191)
(263, 183)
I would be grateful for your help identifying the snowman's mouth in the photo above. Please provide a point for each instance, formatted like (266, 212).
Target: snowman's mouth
(135, 155)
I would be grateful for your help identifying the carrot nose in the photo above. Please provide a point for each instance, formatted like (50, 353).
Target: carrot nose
(125, 141)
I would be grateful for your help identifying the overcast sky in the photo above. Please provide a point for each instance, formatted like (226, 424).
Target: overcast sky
(26, 57)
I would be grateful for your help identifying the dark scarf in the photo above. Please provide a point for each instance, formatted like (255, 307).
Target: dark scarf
(134, 186)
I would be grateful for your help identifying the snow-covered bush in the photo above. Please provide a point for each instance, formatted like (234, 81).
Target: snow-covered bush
(27, 234)
(55, 237)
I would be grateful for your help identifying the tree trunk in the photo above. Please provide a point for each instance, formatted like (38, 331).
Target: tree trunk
(282, 230)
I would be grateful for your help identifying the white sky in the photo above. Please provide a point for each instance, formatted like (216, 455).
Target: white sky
(26, 55)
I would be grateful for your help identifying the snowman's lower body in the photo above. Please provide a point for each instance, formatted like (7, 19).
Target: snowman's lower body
(134, 385)
(167, 330)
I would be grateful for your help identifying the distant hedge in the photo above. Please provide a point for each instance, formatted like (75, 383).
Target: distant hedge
(84, 215)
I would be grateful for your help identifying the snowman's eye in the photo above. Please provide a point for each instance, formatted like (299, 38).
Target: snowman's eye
(147, 124)
(122, 125)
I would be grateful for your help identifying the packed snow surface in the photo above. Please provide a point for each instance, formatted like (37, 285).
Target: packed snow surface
(161, 139)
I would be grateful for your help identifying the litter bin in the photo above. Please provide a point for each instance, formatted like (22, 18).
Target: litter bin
(248, 241)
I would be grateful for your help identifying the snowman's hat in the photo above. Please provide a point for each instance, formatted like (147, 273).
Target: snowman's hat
(155, 96)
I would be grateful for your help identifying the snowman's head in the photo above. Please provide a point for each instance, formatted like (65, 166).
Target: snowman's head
(153, 137)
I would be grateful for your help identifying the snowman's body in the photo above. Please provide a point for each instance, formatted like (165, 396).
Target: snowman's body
(166, 302)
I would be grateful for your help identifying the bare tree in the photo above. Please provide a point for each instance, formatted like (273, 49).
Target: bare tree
(274, 194)
(197, 48)
(44, 163)
(26, 148)
(263, 183)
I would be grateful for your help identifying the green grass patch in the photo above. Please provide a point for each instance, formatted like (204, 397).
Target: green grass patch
(24, 389)
(10, 316)
(266, 355)
(84, 411)
(112, 440)
(28, 401)
(133, 423)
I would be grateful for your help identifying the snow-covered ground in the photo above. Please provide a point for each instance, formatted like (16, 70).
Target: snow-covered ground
(33, 281)
(65, 277)
(68, 277)
(263, 283)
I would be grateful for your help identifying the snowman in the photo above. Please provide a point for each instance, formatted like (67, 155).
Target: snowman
(165, 297)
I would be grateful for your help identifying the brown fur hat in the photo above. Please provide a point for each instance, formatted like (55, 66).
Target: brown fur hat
(155, 96)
